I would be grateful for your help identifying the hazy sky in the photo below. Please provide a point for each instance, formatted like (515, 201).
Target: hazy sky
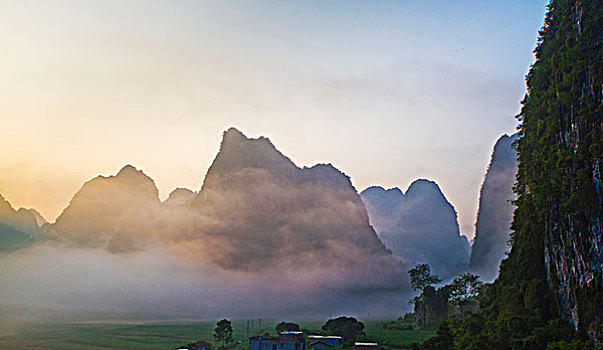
(387, 91)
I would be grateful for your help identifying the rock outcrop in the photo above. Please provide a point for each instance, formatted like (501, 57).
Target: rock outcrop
(419, 227)
(495, 212)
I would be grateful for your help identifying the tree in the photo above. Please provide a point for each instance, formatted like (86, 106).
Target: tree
(223, 332)
(421, 277)
(428, 304)
(465, 287)
(348, 328)
(432, 307)
(286, 326)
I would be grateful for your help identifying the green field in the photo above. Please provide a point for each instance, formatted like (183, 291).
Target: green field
(169, 335)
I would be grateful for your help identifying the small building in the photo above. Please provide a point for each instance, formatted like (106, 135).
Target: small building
(323, 342)
(366, 346)
(285, 341)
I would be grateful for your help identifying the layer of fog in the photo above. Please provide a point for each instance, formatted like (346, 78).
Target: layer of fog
(263, 238)
(156, 284)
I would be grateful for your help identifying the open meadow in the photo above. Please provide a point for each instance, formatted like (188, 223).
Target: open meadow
(171, 335)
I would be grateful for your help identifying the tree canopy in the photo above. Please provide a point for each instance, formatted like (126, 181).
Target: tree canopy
(348, 328)
(223, 332)
(287, 326)
(421, 277)
(465, 287)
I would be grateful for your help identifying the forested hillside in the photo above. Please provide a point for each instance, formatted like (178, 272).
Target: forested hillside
(551, 282)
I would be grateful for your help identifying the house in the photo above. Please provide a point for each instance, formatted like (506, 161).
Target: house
(366, 346)
(323, 342)
(285, 341)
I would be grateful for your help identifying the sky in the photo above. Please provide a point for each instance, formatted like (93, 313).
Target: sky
(386, 91)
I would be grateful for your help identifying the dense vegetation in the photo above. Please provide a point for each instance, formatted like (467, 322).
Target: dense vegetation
(348, 328)
(559, 200)
(434, 305)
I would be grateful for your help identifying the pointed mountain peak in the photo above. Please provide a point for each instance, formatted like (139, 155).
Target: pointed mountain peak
(237, 151)
(423, 189)
(129, 170)
(506, 139)
(133, 177)
(233, 138)
(234, 133)
(504, 154)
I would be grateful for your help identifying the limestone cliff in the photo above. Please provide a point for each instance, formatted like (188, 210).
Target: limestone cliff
(495, 212)
(419, 227)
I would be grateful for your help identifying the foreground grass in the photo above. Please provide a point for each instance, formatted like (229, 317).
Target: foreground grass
(170, 335)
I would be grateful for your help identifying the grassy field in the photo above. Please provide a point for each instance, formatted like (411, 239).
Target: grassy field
(169, 335)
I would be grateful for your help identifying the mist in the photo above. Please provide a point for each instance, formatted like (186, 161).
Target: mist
(54, 283)
(262, 238)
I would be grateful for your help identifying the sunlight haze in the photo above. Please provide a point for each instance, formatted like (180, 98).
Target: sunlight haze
(386, 91)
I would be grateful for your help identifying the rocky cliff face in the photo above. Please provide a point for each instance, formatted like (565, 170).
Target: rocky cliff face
(419, 227)
(495, 212)
(573, 240)
(555, 266)
(560, 158)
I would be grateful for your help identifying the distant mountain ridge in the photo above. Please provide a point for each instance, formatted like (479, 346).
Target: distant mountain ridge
(114, 212)
(255, 210)
(18, 228)
(495, 213)
(418, 227)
